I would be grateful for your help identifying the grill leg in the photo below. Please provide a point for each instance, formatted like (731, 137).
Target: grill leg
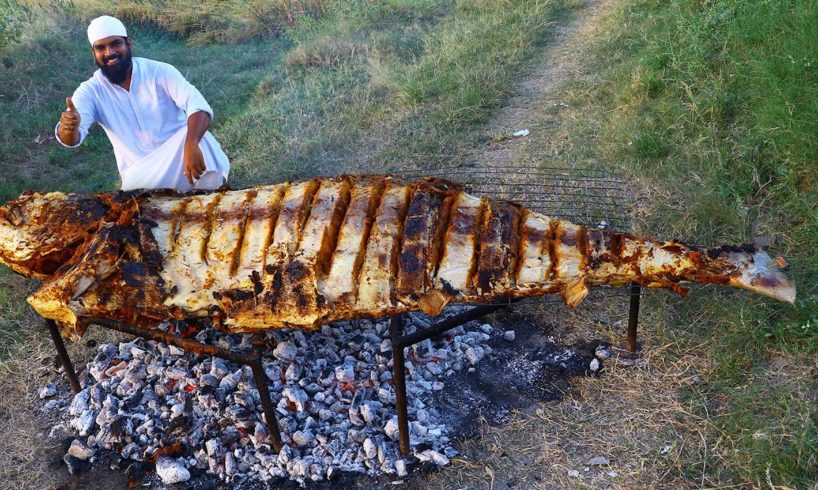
(63, 354)
(266, 404)
(399, 376)
(633, 316)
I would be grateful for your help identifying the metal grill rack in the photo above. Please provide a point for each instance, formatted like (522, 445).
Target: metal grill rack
(593, 198)
(583, 196)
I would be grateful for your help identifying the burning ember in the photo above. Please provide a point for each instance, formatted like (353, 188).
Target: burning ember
(147, 401)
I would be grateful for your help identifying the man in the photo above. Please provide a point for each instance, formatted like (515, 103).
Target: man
(156, 120)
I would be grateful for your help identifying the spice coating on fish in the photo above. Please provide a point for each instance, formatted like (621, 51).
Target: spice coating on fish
(306, 253)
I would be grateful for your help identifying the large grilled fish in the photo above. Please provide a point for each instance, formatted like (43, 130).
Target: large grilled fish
(319, 250)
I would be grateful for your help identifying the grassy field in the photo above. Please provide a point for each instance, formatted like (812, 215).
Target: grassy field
(711, 107)
(715, 105)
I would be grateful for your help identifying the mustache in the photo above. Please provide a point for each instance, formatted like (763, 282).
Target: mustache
(111, 57)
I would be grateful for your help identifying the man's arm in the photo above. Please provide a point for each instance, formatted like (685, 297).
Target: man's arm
(197, 124)
(189, 99)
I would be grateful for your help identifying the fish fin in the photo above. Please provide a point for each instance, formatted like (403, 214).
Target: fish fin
(433, 302)
(574, 293)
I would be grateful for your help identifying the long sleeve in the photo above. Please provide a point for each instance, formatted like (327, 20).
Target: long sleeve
(184, 94)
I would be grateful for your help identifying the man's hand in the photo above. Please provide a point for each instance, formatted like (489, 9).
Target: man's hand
(69, 124)
(194, 162)
(197, 124)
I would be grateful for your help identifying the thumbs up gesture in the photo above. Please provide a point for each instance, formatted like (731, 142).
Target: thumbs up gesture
(69, 124)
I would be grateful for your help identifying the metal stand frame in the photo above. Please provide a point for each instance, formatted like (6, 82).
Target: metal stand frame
(633, 317)
(400, 342)
(51, 325)
(254, 359)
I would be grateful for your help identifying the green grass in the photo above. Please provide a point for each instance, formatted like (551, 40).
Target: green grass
(375, 86)
(13, 312)
(198, 22)
(716, 104)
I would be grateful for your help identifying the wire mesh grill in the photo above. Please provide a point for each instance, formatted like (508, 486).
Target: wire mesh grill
(589, 197)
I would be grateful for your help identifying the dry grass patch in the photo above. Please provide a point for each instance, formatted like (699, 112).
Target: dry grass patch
(29, 458)
(24, 444)
(633, 416)
(325, 53)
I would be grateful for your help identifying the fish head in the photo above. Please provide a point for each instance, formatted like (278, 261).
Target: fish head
(756, 271)
(748, 267)
(39, 233)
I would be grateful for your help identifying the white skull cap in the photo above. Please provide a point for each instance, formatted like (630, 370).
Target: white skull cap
(105, 26)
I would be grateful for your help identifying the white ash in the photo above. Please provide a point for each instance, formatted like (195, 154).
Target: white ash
(48, 391)
(171, 470)
(52, 404)
(332, 392)
(598, 461)
(603, 352)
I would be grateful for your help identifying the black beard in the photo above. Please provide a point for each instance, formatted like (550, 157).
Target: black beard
(116, 74)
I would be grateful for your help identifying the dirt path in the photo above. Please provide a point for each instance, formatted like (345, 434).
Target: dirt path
(536, 104)
(533, 156)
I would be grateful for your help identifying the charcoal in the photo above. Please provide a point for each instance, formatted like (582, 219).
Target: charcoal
(333, 392)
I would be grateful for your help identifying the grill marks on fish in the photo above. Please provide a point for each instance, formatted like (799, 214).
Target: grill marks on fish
(165, 214)
(287, 254)
(299, 297)
(223, 245)
(571, 245)
(188, 265)
(434, 299)
(261, 217)
(375, 287)
(344, 271)
(295, 210)
(535, 264)
(416, 256)
(237, 252)
(499, 248)
(421, 250)
(291, 218)
(459, 259)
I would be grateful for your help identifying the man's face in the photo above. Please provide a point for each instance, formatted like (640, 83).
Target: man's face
(113, 56)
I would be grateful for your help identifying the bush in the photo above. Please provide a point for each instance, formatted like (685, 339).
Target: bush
(12, 15)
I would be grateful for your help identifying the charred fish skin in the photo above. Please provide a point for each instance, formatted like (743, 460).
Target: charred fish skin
(41, 232)
(305, 253)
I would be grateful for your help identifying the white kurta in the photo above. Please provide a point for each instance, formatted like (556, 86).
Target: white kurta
(147, 126)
